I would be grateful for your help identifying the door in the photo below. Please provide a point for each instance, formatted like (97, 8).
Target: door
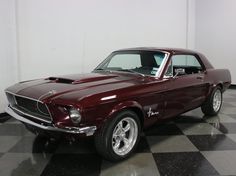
(187, 87)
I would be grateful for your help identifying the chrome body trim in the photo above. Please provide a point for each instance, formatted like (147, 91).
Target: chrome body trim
(162, 66)
(73, 130)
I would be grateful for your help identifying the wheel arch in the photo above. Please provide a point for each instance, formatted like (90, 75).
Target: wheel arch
(221, 86)
(214, 85)
(128, 105)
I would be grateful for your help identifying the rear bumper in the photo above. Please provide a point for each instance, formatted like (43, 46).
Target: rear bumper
(88, 131)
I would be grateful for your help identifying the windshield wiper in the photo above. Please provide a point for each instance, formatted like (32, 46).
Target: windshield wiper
(131, 71)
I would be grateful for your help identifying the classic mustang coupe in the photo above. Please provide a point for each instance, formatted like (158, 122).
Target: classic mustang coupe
(129, 91)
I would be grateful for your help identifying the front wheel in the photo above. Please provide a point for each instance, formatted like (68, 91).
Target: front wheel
(119, 136)
(213, 104)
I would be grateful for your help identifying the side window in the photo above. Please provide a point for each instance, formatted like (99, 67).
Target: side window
(188, 63)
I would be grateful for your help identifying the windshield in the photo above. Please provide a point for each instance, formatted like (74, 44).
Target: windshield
(145, 63)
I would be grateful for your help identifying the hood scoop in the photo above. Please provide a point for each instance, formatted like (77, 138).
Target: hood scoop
(78, 80)
(61, 80)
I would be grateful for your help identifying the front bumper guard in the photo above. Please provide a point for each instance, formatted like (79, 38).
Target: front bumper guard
(88, 131)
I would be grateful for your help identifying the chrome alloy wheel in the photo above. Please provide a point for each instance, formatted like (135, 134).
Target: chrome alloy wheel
(124, 136)
(217, 100)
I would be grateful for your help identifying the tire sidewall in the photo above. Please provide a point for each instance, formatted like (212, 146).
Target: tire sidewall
(110, 129)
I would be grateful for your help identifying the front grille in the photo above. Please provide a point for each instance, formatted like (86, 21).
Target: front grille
(29, 106)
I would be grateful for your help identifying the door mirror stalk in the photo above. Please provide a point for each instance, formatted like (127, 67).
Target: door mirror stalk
(179, 71)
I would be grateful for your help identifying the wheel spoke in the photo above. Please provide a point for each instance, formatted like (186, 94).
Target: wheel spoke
(120, 125)
(126, 128)
(117, 144)
(126, 141)
(118, 128)
(116, 131)
(114, 135)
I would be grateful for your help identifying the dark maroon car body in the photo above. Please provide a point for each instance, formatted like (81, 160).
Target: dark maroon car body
(100, 95)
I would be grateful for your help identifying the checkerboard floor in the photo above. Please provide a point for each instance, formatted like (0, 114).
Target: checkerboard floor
(190, 144)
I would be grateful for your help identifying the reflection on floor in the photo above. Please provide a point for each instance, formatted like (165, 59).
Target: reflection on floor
(188, 145)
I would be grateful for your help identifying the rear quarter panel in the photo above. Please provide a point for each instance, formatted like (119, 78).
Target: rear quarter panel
(220, 77)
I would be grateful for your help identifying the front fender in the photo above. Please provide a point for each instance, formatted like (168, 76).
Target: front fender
(99, 115)
(124, 105)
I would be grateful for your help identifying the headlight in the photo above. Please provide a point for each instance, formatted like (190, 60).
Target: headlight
(75, 115)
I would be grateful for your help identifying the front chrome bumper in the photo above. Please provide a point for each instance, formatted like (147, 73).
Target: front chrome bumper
(88, 131)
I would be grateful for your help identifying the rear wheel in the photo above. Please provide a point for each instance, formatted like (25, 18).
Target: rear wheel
(213, 104)
(119, 136)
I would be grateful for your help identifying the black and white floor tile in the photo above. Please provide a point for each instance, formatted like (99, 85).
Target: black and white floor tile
(190, 144)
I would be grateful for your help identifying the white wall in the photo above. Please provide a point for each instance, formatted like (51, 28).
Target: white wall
(73, 36)
(216, 32)
(8, 61)
(40, 38)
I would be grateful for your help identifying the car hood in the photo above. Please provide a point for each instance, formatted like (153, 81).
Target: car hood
(74, 87)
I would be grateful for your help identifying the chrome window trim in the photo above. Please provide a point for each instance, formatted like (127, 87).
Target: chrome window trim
(162, 66)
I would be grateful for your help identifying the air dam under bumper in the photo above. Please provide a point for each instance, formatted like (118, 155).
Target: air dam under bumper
(89, 131)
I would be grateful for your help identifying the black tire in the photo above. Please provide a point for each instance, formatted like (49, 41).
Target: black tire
(104, 137)
(207, 107)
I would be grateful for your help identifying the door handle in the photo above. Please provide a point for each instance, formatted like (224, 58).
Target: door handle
(199, 77)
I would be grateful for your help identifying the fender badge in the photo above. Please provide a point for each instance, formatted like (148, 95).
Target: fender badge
(151, 113)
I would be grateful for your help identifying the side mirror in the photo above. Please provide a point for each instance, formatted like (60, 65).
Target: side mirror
(179, 71)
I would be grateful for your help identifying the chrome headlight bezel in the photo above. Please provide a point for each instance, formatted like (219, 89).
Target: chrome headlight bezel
(75, 115)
